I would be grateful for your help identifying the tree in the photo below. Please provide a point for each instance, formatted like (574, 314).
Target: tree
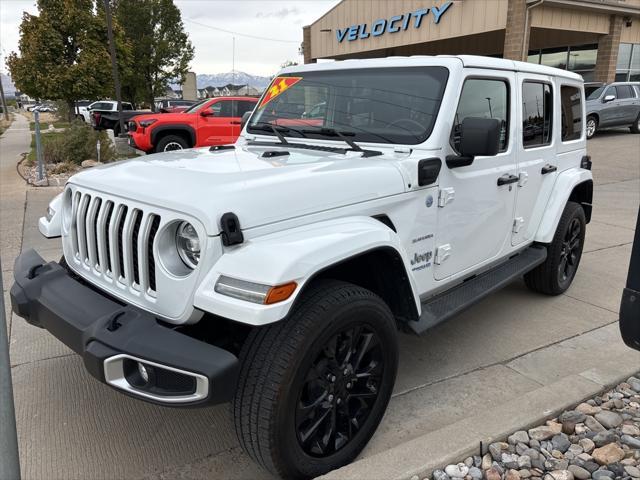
(63, 53)
(160, 48)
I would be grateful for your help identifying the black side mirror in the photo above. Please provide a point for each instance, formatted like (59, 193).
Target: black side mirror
(245, 118)
(479, 137)
(206, 113)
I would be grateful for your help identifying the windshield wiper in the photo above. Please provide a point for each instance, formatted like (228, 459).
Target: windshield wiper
(332, 132)
(266, 126)
(277, 130)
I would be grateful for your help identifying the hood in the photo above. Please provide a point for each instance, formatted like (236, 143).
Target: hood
(258, 190)
(171, 116)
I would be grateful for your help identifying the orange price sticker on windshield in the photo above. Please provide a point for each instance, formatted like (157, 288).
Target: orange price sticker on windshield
(279, 85)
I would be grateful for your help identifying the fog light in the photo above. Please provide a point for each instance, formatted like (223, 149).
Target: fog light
(142, 370)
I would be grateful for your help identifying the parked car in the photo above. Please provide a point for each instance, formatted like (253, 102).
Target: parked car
(45, 108)
(276, 273)
(83, 108)
(614, 105)
(104, 115)
(174, 106)
(212, 122)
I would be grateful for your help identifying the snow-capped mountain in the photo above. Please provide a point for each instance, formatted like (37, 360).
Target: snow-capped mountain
(239, 78)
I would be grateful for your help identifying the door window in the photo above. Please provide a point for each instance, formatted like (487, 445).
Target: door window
(244, 107)
(624, 91)
(571, 99)
(223, 108)
(610, 91)
(483, 98)
(537, 112)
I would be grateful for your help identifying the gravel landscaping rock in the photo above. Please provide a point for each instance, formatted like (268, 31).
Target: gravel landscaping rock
(597, 440)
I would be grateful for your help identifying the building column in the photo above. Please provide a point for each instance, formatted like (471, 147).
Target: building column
(516, 35)
(306, 44)
(608, 47)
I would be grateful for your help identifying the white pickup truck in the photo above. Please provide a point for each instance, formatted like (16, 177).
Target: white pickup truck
(276, 273)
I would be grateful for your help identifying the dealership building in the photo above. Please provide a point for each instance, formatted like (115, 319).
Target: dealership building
(599, 39)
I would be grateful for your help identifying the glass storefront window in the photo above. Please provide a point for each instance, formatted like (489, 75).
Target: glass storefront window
(554, 58)
(534, 56)
(583, 57)
(624, 56)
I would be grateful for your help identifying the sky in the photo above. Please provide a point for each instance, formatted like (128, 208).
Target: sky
(277, 23)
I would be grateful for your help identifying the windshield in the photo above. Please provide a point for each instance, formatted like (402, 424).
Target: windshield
(593, 93)
(382, 105)
(196, 107)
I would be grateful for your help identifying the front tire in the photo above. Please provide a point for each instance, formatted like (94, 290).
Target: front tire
(169, 143)
(314, 387)
(592, 126)
(635, 127)
(555, 275)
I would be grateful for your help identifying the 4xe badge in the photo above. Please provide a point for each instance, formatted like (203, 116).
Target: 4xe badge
(279, 85)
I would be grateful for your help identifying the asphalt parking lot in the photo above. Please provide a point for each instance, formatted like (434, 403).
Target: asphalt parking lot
(506, 348)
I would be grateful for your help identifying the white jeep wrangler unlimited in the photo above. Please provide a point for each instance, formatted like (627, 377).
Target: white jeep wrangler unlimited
(363, 198)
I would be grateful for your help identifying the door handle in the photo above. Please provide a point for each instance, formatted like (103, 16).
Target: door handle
(235, 123)
(548, 169)
(507, 179)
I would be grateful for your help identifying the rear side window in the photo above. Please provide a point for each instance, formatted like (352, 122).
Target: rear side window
(624, 91)
(571, 104)
(537, 114)
(125, 106)
(483, 98)
(244, 107)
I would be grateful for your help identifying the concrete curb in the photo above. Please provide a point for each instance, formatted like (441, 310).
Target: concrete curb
(420, 456)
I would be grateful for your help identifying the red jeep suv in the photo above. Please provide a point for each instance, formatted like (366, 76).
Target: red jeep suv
(214, 121)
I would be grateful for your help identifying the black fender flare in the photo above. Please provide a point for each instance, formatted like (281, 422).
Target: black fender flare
(173, 127)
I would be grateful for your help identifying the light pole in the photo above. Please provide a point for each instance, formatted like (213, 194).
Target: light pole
(114, 64)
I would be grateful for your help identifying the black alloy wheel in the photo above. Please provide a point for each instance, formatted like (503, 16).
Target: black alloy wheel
(339, 391)
(570, 251)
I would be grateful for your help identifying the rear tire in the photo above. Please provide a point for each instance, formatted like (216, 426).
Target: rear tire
(171, 142)
(592, 126)
(635, 127)
(555, 275)
(304, 404)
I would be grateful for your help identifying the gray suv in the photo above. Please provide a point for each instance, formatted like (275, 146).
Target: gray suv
(614, 105)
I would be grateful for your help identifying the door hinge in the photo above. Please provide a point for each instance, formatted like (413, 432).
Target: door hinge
(442, 253)
(446, 195)
(517, 224)
(523, 179)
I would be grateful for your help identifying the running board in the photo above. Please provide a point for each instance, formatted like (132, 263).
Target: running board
(447, 304)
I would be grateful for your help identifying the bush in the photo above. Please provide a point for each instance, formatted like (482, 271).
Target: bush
(75, 144)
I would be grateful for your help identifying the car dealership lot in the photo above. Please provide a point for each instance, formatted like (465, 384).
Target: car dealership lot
(509, 346)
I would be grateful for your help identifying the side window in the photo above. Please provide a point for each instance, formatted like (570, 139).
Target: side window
(537, 114)
(126, 106)
(610, 91)
(483, 98)
(571, 104)
(624, 91)
(244, 107)
(223, 108)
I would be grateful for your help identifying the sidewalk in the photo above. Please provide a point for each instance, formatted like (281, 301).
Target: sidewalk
(15, 141)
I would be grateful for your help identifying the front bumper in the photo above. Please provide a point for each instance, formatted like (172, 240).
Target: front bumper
(112, 338)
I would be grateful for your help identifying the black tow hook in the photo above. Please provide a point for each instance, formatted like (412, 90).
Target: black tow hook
(113, 324)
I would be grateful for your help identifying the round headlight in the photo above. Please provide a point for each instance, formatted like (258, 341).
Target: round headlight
(188, 244)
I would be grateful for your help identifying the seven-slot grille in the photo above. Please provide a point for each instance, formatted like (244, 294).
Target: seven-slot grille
(116, 240)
